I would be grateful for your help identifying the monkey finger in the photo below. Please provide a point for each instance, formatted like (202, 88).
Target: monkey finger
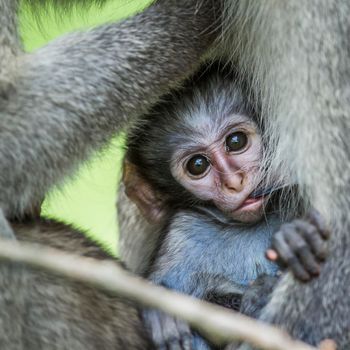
(176, 334)
(302, 251)
(287, 256)
(280, 246)
(316, 219)
(327, 344)
(176, 344)
(172, 343)
(166, 331)
(313, 238)
(185, 334)
(271, 254)
(186, 342)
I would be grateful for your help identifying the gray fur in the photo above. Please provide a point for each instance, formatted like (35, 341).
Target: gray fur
(195, 241)
(6, 230)
(297, 55)
(203, 254)
(70, 97)
(137, 238)
(40, 311)
(136, 253)
(9, 38)
(10, 47)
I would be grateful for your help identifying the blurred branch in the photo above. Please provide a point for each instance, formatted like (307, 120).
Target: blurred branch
(219, 324)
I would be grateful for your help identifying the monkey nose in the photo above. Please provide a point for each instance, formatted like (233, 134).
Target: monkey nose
(233, 182)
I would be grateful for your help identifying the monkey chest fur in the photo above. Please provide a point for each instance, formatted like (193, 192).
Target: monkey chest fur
(201, 252)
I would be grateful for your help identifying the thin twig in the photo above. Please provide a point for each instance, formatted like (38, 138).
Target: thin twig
(219, 324)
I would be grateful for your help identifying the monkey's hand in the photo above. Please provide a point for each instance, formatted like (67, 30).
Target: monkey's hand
(300, 246)
(166, 331)
(257, 295)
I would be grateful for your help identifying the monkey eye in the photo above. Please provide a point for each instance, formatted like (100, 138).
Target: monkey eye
(197, 165)
(236, 141)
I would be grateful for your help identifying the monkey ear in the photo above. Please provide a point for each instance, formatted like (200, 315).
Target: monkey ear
(142, 194)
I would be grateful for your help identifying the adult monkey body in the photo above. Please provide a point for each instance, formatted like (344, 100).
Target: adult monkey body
(298, 51)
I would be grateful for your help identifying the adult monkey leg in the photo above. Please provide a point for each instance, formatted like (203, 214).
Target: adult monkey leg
(297, 53)
(67, 99)
(41, 311)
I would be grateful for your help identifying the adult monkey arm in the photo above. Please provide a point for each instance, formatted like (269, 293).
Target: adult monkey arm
(66, 100)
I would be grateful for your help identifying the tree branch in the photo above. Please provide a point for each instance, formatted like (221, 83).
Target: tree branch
(219, 324)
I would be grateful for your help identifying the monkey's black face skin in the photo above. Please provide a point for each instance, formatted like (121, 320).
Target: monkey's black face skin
(208, 150)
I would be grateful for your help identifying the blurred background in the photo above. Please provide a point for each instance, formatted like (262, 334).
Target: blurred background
(88, 200)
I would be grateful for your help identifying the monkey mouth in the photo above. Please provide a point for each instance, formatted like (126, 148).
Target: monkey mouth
(251, 203)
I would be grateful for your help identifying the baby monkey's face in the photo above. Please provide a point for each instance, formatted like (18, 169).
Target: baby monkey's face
(221, 165)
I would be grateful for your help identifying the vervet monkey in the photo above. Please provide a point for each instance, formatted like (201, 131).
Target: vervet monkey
(195, 159)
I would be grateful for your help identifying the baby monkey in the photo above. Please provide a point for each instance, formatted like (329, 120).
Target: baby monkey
(199, 171)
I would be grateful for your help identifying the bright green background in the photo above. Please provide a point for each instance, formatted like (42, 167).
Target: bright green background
(88, 200)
